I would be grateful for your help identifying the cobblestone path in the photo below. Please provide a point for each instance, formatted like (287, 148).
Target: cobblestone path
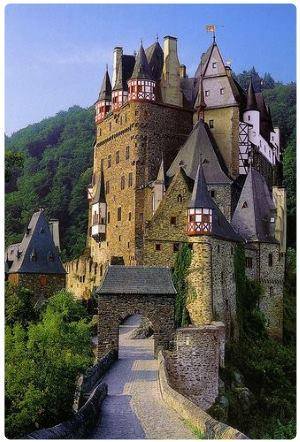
(134, 408)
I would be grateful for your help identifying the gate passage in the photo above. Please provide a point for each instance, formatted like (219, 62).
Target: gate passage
(130, 290)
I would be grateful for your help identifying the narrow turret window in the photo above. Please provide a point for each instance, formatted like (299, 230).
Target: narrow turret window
(129, 216)
(270, 260)
(127, 153)
(108, 217)
(109, 161)
(122, 183)
(130, 179)
(119, 214)
(117, 157)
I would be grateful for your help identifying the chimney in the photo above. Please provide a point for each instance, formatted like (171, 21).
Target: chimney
(182, 71)
(170, 83)
(54, 229)
(118, 52)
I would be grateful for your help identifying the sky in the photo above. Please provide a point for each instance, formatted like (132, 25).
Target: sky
(55, 54)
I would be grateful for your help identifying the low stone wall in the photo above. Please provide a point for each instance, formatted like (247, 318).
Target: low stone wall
(190, 412)
(80, 424)
(94, 374)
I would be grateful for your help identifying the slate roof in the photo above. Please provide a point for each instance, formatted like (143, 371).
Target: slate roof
(141, 68)
(161, 172)
(137, 280)
(266, 125)
(124, 72)
(99, 196)
(155, 57)
(105, 91)
(201, 198)
(38, 242)
(251, 218)
(201, 143)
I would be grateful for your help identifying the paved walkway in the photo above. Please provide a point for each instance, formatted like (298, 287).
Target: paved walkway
(134, 408)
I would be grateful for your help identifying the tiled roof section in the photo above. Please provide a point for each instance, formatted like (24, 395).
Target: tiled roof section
(141, 68)
(204, 60)
(37, 242)
(99, 196)
(155, 57)
(201, 198)
(255, 207)
(105, 91)
(251, 99)
(137, 280)
(201, 143)
(124, 72)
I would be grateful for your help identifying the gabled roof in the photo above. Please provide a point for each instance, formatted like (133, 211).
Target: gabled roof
(37, 243)
(123, 72)
(155, 57)
(266, 125)
(161, 172)
(137, 280)
(204, 60)
(251, 99)
(141, 68)
(105, 91)
(201, 198)
(201, 143)
(255, 207)
(99, 196)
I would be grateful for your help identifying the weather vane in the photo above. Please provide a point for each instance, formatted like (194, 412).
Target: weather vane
(212, 28)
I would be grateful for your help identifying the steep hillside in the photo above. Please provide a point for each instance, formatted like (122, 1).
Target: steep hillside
(49, 164)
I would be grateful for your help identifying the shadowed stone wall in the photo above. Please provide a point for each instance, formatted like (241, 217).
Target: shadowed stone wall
(40, 285)
(193, 367)
(113, 309)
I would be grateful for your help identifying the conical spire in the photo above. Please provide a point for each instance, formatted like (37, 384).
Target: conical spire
(251, 100)
(105, 91)
(161, 172)
(100, 190)
(141, 68)
(200, 196)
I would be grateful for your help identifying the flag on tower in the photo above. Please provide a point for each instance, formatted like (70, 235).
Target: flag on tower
(210, 28)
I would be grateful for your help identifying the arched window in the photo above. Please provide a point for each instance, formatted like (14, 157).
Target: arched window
(179, 198)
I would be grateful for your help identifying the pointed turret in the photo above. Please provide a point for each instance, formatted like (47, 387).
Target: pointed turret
(251, 100)
(141, 85)
(159, 187)
(99, 208)
(103, 105)
(200, 207)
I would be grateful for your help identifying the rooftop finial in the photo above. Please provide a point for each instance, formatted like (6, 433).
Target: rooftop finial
(212, 28)
(106, 67)
(141, 42)
(157, 37)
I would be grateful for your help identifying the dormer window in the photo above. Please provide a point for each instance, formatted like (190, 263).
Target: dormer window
(214, 65)
(245, 205)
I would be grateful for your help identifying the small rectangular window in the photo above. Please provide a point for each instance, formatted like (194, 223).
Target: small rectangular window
(117, 157)
(108, 217)
(130, 179)
(127, 154)
(173, 220)
(107, 187)
(109, 161)
(212, 193)
(214, 65)
(211, 124)
(222, 91)
(158, 247)
(176, 247)
(129, 216)
(207, 93)
(248, 262)
(119, 214)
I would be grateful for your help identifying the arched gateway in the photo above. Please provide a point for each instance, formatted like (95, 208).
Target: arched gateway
(129, 290)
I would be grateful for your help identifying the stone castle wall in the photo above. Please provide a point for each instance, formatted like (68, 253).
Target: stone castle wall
(193, 367)
(41, 286)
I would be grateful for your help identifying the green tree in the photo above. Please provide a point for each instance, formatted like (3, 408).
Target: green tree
(268, 81)
(18, 305)
(182, 263)
(42, 365)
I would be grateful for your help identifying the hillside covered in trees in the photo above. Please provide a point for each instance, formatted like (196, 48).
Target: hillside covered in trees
(49, 164)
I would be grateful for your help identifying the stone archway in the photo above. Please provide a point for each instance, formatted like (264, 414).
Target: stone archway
(129, 290)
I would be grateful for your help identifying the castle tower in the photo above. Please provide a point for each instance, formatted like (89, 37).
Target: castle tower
(141, 85)
(103, 104)
(170, 84)
(119, 90)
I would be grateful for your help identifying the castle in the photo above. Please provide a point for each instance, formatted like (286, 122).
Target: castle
(193, 160)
